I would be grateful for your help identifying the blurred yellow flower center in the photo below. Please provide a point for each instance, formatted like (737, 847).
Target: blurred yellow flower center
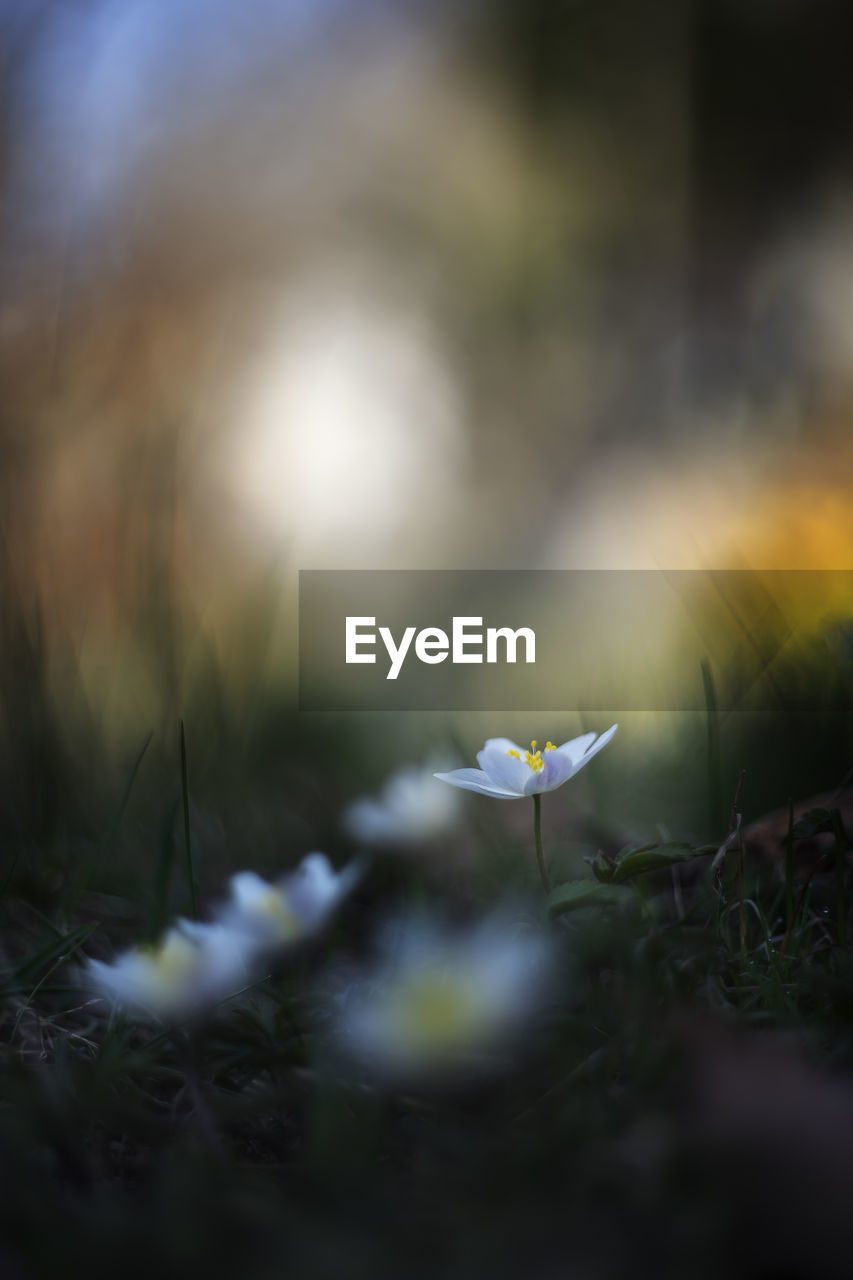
(272, 906)
(173, 960)
(533, 758)
(434, 1010)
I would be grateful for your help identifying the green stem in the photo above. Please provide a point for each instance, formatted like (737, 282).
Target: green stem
(537, 833)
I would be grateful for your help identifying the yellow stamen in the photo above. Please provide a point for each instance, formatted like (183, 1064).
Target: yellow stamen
(533, 758)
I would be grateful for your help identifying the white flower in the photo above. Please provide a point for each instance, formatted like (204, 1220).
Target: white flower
(192, 967)
(410, 809)
(274, 915)
(196, 965)
(508, 771)
(444, 999)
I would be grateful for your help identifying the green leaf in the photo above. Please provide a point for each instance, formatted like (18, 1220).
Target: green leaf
(602, 868)
(582, 893)
(651, 857)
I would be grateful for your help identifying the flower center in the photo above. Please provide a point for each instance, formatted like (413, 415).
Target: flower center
(273, 909)
(533, 758)
(434, 1011)
(172, 961)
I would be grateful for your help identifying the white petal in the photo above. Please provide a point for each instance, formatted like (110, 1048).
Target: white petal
(504, 744)
(249, 890)
(105, 978)
(510, 773)
(410, 809)
(590, 746)
(315, 888)
(598, 744)
(575, 747)
(369, 821)
(476, 780)
(227, 957)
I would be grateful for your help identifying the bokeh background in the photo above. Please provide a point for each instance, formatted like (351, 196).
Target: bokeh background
(446, 284)
(292, 285)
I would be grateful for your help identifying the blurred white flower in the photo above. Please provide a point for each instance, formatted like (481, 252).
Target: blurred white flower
(295, 907)
(411, 808)
(191, 968)
(508, 771)
(443, 999)
(196, 965)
